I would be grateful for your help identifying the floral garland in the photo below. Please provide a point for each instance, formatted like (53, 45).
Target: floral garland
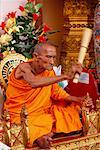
(21, 33)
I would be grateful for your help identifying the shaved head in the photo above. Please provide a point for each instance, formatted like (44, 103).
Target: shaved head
(41, 47)
(45, 55)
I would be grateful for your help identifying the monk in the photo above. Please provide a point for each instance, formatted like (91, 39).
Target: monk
(50, 108)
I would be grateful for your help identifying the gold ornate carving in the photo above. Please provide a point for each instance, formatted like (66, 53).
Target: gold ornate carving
(87, 143)
(24, 124)
(15, 135)
(1, 131)
(67, 59)
(77, 8)
(7, 127)
(16, 140)
(7, 64)
(91, 125)
(69, 53)
(73, 43)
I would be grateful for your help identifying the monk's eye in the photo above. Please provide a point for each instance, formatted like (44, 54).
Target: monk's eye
(49, 56)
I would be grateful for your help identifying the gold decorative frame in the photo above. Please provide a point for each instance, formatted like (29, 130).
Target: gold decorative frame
(7, 64)
(87, 143)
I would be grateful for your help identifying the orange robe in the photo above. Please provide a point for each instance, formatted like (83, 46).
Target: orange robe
(42, 113)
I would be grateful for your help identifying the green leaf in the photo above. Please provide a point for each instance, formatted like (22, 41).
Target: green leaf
(32, 11)
(27, 55)
(19, 45)
(23, 46)
(20, 19)
(4, 48)
(28, 5)
(30, 8)
(38, 6)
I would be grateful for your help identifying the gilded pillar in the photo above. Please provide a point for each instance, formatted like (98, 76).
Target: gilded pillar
(76, 17)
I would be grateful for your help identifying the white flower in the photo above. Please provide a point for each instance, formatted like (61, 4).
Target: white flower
(13, 42)
(22, 38)
(12, 48)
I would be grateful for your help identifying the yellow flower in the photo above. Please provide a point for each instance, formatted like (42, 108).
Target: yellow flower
(10, 23)
(24, 13)
(5, 38)
(5, 53)
(14, 29)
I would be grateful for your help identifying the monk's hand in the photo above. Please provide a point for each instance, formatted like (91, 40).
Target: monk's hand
(74, 68)
(78, 100)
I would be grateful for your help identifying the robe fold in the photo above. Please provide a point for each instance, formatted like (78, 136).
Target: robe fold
(43, 112)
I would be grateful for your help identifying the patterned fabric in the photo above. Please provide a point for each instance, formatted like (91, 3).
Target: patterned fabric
(97, 37)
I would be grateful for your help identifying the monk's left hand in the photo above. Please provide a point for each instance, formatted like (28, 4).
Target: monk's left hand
(78, 100)
(74, 68)
(77, 67)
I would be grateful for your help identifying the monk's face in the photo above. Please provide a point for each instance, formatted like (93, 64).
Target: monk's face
(46, 57)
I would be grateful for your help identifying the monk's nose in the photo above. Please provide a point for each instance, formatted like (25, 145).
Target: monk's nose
(52, 61)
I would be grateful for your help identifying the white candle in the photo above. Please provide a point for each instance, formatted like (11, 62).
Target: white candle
(87, 34)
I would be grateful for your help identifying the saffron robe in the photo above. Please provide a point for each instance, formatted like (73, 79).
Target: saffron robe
(42, 112)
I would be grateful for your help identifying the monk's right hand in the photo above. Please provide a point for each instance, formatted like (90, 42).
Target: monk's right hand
(74, 68)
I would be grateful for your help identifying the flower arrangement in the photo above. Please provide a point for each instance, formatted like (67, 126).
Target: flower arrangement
(21, 33)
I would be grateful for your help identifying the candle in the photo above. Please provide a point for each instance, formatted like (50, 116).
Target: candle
(87, 34)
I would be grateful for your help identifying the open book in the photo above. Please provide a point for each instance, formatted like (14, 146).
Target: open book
(57, 71)
(4, 147)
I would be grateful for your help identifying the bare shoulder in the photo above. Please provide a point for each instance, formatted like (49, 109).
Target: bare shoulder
(22, 68)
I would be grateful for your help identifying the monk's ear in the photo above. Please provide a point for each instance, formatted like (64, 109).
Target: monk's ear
(35, 54)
